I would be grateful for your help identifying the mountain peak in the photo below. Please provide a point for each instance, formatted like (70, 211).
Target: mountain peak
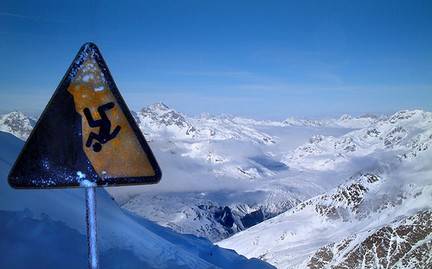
(14, 114)
(345, 117)
(159, 106)
(159, 114)
(17, 123)
(404, 115)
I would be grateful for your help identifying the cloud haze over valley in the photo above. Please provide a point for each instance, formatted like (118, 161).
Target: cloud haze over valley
(262, 187)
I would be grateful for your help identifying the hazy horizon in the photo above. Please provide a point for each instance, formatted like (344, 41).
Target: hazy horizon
(36, 114)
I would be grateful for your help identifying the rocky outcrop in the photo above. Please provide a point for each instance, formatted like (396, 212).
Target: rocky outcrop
(403, 244)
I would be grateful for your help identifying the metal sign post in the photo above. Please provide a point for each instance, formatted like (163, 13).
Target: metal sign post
(90, 197)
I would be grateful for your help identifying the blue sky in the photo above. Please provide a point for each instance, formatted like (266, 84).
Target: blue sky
(263, 59)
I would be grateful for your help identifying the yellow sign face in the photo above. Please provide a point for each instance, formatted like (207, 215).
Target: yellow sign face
(101, 141)
(113, 151)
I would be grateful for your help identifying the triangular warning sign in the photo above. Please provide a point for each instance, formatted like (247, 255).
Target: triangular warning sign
(86, 133)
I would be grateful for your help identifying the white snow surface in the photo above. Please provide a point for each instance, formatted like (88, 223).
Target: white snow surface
(46, 229)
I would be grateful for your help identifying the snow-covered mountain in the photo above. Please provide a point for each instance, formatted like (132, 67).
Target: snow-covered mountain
(160, 121)
(344, 121)
(222, 174)
(204, 214)
(378, 218)
(225, 174)
(17, 123)
(403, 135)
(368, 222)
(278, 175)
(159, 118)
(404, 243)
(46, 229)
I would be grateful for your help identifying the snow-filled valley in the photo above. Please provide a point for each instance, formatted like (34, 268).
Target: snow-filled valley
(350, 192)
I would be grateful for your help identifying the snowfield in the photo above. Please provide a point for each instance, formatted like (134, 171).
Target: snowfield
(350, 192)
(46, 229)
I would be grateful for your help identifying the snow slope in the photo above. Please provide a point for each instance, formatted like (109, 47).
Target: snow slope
(345, 228)
(46, 229)
(377, 218)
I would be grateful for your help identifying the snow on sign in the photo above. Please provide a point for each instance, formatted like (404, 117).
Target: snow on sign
(85, 134)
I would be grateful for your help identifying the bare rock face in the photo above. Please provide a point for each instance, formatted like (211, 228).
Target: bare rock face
(395, 136)
(346, 200)
(403, 244)
(402, 115)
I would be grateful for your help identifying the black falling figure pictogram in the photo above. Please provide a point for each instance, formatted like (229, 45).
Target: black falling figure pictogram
(104, 125)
